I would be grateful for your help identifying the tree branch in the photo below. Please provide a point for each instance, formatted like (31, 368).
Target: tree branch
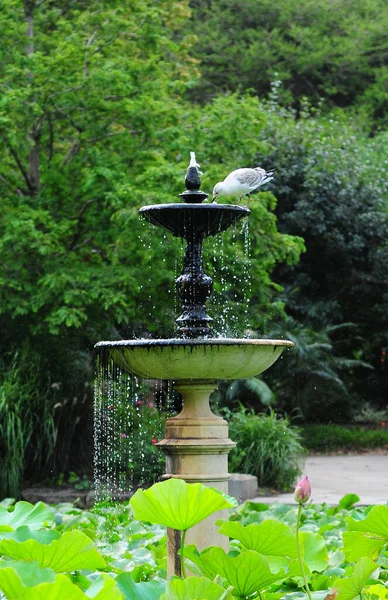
(84, 243)
(96, 139)
(78, 218)
(17, 189)
(84, 207)
(20, 166)
(71, 152)
(70, 89)
(51, 137)
(76, 127)
(88, 44)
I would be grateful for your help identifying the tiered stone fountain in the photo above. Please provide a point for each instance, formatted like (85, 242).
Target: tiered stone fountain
(196, 443)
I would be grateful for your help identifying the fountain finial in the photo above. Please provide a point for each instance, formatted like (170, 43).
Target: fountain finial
(193, 195)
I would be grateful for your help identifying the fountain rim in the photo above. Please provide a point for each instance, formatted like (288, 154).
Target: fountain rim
(174, 342)
(192, 206)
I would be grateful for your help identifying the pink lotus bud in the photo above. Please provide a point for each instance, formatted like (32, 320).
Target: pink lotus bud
(302, 491)
(123, 435)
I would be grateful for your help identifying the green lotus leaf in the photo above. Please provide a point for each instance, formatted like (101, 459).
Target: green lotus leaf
(378, 590)
(273, 539)
(144, 590)
(348, 501)
(176, 504)
(24, 533)
(360, 543)
(24, 513)
(193, 588)
(350, 587)
(314, 550)
(28, 581)
(71, 551)
(201, 566)
(103, 588)
(30, 574)
(376, 522)
(247, 572)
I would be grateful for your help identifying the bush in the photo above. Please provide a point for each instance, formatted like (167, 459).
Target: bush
(26, 421)
(331, 187)
(267, 446)
(326, 438)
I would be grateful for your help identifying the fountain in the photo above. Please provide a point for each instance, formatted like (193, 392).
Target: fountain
(196, 441)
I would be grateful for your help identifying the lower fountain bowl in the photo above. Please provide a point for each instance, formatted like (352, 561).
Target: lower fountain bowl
(209, 359)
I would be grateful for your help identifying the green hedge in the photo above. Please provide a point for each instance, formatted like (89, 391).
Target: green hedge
(325, 438)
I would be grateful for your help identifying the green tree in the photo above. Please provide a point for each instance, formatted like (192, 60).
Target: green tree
(87, 91)
(337, 50)
(93, 126)
(331, 185)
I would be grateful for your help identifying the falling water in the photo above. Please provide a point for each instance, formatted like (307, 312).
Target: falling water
(229, 304)
(129, 411)
(247, 270)
(129, 415)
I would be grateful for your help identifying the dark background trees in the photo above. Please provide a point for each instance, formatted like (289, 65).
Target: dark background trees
(336, 50)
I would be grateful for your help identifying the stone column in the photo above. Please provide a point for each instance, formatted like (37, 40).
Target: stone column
(196, 447)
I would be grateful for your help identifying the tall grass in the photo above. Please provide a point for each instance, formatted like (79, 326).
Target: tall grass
(26, 424)
(267, 446)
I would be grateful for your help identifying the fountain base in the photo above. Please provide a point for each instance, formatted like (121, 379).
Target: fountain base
(197, 447)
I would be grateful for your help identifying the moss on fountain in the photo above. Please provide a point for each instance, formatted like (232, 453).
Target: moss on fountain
(210, 359)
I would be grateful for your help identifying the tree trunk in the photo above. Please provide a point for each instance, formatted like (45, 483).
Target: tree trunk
(34, 133)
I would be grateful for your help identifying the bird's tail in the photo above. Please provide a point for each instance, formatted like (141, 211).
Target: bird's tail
(267, 175)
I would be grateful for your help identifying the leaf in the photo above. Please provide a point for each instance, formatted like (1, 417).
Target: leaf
(35, 516)
(176, 504)
(73, 551)
(273, 539)
(103, 588)
(348, 501)
(248, 572)
(27, 581)
(350, 587)
(145, 590)
(314, 550)
(378, 590)
(359, 543)
(24, 533)
(376, 522)
(192, 588)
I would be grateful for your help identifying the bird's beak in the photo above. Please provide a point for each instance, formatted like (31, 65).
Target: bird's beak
(214, 199)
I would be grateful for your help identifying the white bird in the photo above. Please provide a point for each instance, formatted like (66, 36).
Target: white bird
(242, 182)
(193, 162)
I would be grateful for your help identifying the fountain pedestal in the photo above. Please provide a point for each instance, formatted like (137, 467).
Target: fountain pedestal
(197, 447)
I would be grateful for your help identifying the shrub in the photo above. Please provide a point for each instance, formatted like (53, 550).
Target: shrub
(267, 446)
(326, 438)
(26, 422)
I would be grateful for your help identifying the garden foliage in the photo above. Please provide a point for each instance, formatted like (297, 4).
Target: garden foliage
(267, 447)
(337, 50)
(331, 187)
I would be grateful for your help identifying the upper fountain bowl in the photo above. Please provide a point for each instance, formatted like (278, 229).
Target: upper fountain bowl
(197, 221)
(210, 359)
